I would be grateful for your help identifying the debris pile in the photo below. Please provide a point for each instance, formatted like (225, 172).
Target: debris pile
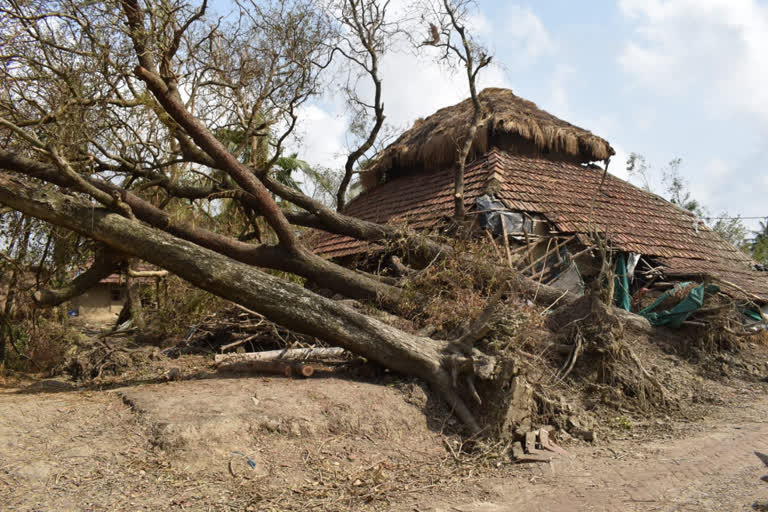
(538, 446)
(237, 329)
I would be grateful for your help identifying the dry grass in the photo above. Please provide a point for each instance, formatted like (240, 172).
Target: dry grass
(40, 345)
(446, 294)
(183, 306)
(375, 487)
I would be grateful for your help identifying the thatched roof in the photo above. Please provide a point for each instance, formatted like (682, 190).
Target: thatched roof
(433, 143)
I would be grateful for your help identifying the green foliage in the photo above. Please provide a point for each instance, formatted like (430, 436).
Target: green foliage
(759, 245)
(182, 306)
(623, 422)
(286, 166)
(731, 229)
(39, 346)
(290, 170)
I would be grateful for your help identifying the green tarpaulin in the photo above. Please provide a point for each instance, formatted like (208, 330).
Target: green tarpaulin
(677, 315)
(621, 284)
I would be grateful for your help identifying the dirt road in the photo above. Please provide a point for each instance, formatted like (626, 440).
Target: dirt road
(89, 451)
(713, 469)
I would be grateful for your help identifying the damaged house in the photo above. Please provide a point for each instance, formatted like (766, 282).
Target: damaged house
(533, 190)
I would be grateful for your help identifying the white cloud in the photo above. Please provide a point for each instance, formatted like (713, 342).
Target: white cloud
(479, 25)
(319, 137)
(718, 168)
(618, 165)
(412, 88)
(415, 88)
(526, 34)
(708, 190)
(715, 48)
(558, 103)
(709, 57)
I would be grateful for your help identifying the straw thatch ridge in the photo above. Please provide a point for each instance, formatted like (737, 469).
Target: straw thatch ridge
(434, 142)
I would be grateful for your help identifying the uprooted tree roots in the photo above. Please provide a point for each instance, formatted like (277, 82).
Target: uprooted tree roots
(593, 342)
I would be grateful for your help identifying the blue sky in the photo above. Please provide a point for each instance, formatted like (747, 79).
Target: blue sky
(664, 78)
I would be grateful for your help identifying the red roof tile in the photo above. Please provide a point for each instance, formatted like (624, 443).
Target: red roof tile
(569, 195)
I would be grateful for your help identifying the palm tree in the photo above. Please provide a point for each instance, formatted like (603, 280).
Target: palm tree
(759, 245)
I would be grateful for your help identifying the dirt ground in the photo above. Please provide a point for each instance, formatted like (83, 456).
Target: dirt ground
(705, 466)
(256, 443)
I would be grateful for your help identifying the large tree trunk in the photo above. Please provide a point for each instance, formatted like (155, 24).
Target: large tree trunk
(301, 262)
(298, 261)
(282, 302)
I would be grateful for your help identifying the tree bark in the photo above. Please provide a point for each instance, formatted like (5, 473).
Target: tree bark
(300, 261)
(147, 273)
(293, 354)
(282, 302)
(320, 217)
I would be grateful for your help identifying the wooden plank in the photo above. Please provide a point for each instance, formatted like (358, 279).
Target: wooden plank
(506, 243)
(286, 368)
(538, 457)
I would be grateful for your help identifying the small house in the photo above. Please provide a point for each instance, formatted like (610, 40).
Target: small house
(105, 300)
(532, 180)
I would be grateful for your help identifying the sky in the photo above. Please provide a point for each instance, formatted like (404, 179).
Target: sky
(664, 78)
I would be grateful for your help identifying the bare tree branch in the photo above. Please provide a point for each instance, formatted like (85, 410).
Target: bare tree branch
(451, 17)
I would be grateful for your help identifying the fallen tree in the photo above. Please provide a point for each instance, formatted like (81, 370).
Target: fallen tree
(184, 113)
(286, 303)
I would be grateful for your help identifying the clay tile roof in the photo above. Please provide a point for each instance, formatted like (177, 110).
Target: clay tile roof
(433, 142)
(419, 200)
(566, 194)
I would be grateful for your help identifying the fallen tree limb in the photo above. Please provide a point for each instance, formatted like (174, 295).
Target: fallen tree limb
(286, 368)
(148, 273)
(106, 262)
(399, 268)
(239, 342)
(301, 262)
(751, 296)
(279, 301)
(293, 354)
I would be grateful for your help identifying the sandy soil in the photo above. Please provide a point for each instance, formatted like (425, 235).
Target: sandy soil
(706, 466)
(333, 444)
